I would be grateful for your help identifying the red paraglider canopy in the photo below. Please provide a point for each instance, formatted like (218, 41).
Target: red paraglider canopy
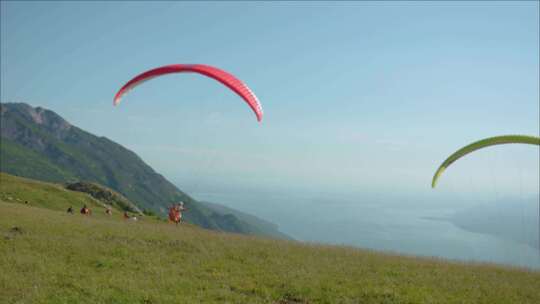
(225, 78)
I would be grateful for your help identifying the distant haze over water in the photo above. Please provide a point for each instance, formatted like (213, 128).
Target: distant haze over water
(388, 226)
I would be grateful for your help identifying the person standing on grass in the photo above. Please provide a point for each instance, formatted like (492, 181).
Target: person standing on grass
(172, 214)
(175, 212)
(86, 211)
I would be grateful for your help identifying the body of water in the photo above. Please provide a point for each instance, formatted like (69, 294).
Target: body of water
(406, 229)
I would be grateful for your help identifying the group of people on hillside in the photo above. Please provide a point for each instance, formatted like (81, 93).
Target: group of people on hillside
(175, 212)
(84, 210)
(87, 211)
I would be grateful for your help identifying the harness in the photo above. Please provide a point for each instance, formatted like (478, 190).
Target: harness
(174, 214)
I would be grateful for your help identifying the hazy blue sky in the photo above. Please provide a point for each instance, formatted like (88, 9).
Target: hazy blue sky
(356, 95)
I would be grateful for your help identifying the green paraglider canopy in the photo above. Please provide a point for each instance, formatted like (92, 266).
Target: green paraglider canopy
(487, 142)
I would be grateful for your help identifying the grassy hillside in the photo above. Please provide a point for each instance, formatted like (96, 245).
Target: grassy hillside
(34, 193)
(48, 256)
(38, 143)
(105, 195)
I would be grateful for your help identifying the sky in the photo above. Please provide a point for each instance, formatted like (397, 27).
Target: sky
(358, 96)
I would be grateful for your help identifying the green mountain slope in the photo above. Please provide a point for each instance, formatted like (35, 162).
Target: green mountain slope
(81, 155)
(44, 195)
(13, 155)
(48, 256)
(253, 225)
(37, 143)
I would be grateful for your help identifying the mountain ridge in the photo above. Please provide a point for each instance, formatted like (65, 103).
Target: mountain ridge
(38, 143)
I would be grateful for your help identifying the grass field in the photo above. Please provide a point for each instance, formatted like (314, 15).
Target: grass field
(48, 256)
(46, 195)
